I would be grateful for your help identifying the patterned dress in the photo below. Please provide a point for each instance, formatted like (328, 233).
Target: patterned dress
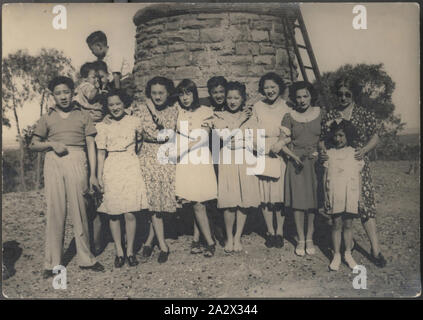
(366, 126)
(124, 188)
(159, 178)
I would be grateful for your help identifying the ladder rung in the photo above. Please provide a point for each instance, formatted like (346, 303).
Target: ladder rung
(301, 46)
(297, 25)
(307, 67)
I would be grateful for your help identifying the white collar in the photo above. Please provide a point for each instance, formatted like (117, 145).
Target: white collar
(309, 115)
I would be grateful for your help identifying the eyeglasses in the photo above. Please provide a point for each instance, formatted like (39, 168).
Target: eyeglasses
(344, 94)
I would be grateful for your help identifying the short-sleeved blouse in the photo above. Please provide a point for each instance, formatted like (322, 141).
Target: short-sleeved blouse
(118, 135)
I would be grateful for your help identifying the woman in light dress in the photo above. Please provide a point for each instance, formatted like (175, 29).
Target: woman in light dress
(119, 174)
(195, 176)
(237, 189)
(268, 115)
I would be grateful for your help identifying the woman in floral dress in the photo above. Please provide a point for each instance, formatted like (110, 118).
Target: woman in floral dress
(119, 174)
(158, 113)
(368, 129)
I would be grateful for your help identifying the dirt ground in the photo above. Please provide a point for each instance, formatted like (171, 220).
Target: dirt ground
(257, 272)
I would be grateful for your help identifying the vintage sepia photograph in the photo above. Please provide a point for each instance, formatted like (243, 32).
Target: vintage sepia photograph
(210, 151)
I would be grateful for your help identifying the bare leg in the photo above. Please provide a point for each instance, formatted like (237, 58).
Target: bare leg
(159, 231)
(280, 219)
(203, 221)
(337, 234)
(131, 226)
(310, 226)
(150, 236)
(299, 223)
(229, 216)
(336, 241)
(97, 232)
(241, 217)
(348, 234)
(196, 236)
(116, 234)
(370, 227)
(268, 218)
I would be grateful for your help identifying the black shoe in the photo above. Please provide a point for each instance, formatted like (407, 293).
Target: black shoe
(379, 261)
(209, 250)
(269, 243)
(278, 241)
(163, 256)
(132, 261)
(97, 267)
(119, 262)
(147, 251)
(48, 274)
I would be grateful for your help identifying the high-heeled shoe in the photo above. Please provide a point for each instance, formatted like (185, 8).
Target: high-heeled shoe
(119, 262)
(163, 256)
(132, 261)
(209, 250)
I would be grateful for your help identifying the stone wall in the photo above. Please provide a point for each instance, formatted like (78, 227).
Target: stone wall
(198, 41)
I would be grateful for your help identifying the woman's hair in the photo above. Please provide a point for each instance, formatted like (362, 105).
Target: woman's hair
(275, 78)
(347, 127)
(214, 82)
(348, 83)
(61, 80)
(126, 99)
(187, 85)
(240, 87)
(86, 68)
(298, 85)
(167, 83)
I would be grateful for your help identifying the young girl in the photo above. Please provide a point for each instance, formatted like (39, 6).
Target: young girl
(237, 191)
(302, 125)
(342, 188)
(64, 132)
(119, 174)
(195, 182)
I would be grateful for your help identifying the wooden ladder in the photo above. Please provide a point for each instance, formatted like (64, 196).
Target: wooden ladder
(290, 28)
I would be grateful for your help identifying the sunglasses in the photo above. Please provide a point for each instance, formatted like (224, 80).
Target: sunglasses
(342, 94)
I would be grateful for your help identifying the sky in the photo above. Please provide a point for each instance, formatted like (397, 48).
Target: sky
(391, 38)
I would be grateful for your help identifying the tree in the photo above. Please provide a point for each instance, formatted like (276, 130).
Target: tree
(16, 89)
(25, 77)
(376, 96)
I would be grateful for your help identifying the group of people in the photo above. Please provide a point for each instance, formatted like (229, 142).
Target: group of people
(315, 161)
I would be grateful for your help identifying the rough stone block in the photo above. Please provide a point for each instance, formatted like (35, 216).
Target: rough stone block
(235, 60)
(266, 48)
(239, 70)
(241, 18)
(258, 35)
(177, 47)
(212, 35)
(158, 28)
(187, 72)
(171, 37)
(203, 58)
(200, 24)
(177, 59)
(239, 33)
(151, 43)
(173, 26)
(267, 60)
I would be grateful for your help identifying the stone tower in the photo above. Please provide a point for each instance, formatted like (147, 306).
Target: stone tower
(239, 41)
